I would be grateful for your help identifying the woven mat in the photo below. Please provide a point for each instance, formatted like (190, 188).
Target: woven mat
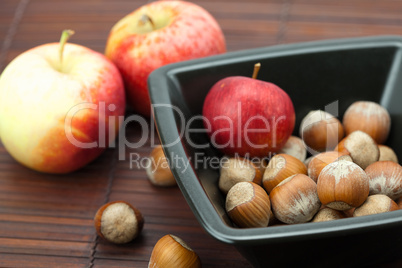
(46, 220)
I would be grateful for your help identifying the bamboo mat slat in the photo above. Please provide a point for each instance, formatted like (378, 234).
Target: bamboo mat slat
(46, 220)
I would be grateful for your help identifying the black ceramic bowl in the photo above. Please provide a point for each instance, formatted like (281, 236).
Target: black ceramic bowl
(314, 74)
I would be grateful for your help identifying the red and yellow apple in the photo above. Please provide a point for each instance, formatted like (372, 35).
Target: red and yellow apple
(59, 109)
(156, 34)
(248, 117)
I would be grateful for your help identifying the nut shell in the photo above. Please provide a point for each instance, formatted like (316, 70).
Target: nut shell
(280, 167)
(295, 147)
(375, 204)
(118, 222)
(361, 147)
(158, 172)
(387, 154)
(172, 252)
(295, 199)
(321, 131)
(385, 177)
(237, 169)
(342, 185)
(321, 160)
(248, 205)
(369, 117)
(328, 214)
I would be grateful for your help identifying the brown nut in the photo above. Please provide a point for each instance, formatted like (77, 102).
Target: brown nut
(118, 222)
(342, 185)
(295, 199)
(158, 171)
(387, 154)
(385, 177)
(361, 147)
(295, 147)
(369, 117)
(237, 169)
(321, 131)
(248, 205)
(328, 214)
(321, 160)
(172, 252)
(280, 167)
(375, 204)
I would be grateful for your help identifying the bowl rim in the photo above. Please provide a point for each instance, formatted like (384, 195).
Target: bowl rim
(191, 187)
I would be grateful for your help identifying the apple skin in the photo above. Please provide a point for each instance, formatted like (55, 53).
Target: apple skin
(35, 98)
(241, 114)
(184, 31)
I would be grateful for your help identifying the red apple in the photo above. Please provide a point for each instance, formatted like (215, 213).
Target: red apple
(156, 34)
(60, 104)
(248, 117)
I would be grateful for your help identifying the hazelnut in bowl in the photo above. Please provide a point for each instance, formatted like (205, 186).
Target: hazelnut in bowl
(321, 75)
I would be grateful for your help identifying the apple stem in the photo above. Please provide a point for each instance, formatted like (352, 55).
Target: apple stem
(256, 70)
(144, 19)
(65, 35)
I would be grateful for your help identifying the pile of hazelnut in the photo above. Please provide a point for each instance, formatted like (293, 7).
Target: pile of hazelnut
(351, 173)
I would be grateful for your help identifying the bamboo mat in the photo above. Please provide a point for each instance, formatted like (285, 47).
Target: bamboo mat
(46, 220)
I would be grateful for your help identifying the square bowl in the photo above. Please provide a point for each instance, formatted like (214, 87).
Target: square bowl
(315, 75)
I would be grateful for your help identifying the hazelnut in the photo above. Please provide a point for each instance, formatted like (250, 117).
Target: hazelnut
(248, 205)
(328, 214)
(295, 199)
(387, 154)
(158, 171)
(342, 185)
(321, 160)
(118, 222)
(171, 251)
(234, 170)
(280, 167)
(385, 177)
(295, 147)
(361, 147)
(375, 204)
(369, 117)
(321, 131)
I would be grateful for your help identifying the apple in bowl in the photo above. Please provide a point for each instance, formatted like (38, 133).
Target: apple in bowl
(248, 117)
(60, 106)
(157, 34)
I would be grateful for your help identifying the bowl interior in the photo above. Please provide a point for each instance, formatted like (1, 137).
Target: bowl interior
(326, 75)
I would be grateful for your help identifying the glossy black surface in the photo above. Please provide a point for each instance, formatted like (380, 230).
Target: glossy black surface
(315, 75)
